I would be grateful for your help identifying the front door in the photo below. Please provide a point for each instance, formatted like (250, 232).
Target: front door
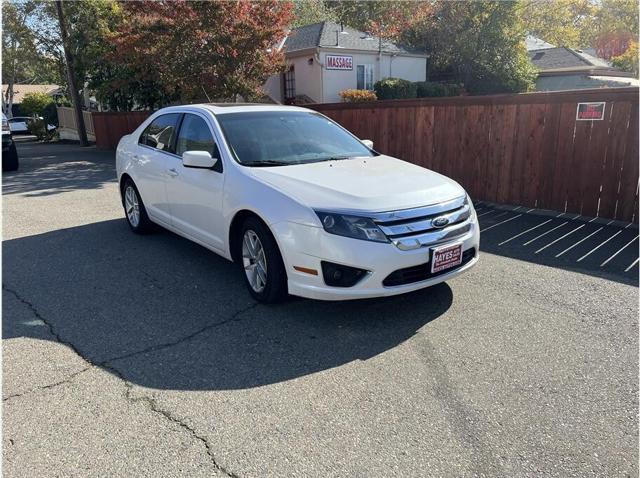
(195, 194)
(152, 163)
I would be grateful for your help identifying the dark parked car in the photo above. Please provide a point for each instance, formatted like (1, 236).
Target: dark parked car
(9, 151)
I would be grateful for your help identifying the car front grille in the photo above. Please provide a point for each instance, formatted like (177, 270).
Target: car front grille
(427, 226)
(421, 272)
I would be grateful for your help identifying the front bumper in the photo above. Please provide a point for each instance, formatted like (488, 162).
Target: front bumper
(305, 247)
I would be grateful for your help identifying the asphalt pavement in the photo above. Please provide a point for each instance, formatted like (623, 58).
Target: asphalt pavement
(129, 355)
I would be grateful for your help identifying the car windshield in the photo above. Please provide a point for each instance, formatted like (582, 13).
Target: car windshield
(280, 138)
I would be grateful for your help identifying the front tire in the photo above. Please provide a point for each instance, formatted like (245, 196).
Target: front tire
(134, 209)
(261, 262)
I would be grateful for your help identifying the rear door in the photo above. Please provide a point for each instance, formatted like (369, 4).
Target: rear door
(195, 194)
(152, 164)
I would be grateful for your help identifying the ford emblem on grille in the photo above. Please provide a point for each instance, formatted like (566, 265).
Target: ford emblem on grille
(440, 221)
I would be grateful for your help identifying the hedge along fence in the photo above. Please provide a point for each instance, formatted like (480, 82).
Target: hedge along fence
(527, 149)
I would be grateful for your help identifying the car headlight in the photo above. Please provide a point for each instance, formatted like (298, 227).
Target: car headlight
(356, 227)
(472, 209)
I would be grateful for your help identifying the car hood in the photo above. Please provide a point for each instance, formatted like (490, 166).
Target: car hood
(374, 184)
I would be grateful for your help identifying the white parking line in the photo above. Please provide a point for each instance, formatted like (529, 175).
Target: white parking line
(598, 246)
(560, 238)
(620, 250)
(524, 232)
(544, 234)
(500, 215)
(580, 241)
(632, 264)
(489, 211)
(502, 222)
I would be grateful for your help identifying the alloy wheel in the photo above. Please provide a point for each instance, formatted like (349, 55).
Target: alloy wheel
(254, 261)
(132, 206)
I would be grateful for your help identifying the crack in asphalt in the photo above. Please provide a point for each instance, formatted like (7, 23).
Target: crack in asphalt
(153, 406)
(150, 402)
(186, 338)
(64, 381)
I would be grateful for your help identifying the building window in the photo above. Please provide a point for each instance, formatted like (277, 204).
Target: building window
(365, 77)
(290, 84)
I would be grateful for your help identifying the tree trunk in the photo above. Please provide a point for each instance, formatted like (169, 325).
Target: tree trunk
(71, 74)
(7, 98)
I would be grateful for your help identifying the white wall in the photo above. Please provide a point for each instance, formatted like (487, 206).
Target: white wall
(273, 88)
(334, 81)
(405, 67)
(324, 86)
(308, 79)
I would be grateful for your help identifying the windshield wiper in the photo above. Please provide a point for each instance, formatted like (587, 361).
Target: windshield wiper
(266, 162)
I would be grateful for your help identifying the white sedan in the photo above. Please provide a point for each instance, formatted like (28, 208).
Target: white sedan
(302, 205)
(19, 125)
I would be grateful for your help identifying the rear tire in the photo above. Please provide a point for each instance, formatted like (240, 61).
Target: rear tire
(261, 262)
(134, 209)
(10, 159)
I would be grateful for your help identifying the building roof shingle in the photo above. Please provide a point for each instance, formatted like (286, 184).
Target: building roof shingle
(564, 58)
(323, 34)
(20, 90)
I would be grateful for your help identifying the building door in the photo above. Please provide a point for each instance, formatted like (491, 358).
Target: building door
(290, 85)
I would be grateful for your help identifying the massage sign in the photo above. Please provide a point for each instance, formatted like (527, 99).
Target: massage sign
(339, 62)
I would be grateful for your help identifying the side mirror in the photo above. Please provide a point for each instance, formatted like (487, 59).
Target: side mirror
(198, 159)
(368, 143)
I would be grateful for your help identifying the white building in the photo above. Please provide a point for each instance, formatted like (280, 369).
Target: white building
(325, 58)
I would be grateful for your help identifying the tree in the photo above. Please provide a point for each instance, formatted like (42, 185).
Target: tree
(306, 12)
(607, 25)
(387, 19)
(562, 22)
(88, 22)
(199, 49)
(73, 88)
(628, 61)
(19, 54)
(480, 43)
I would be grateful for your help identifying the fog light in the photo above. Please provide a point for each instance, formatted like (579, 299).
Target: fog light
(337, 275)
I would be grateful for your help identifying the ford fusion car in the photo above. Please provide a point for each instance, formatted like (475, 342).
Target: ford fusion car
(299, 203)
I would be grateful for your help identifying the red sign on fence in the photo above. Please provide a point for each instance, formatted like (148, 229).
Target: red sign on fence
(590, 111)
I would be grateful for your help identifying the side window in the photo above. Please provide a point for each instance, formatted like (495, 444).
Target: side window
(161, 132)
(195, 135)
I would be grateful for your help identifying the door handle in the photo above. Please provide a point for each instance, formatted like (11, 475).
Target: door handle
(172, 172)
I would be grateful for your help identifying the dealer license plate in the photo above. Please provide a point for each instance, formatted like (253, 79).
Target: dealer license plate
(446, 257)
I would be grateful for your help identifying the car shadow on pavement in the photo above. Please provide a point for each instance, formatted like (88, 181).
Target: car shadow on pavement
(169, 314)
(53, 168)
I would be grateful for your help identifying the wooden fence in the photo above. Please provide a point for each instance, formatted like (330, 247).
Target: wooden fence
(111, 126)
(67, 119)
(526, 149)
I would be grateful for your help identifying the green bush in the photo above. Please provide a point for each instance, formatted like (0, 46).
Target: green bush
(394, 89)
(38, 128)
(35, 103)
(50, 114)
(428, 89)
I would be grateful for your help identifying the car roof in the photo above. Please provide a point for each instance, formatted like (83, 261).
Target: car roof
(226, 108)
